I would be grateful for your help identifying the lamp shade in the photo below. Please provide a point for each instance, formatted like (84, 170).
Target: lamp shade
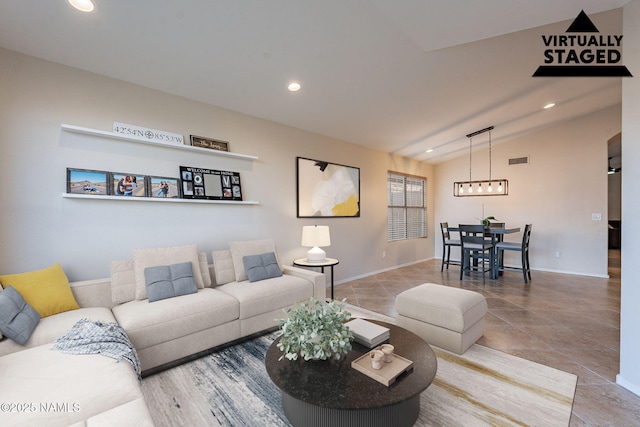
(315, 236)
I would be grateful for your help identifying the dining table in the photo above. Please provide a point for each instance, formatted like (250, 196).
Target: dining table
(496, 234)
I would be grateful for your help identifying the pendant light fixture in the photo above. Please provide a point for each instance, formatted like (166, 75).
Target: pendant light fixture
(483, 187)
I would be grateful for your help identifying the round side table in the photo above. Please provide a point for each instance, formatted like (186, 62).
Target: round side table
(328, 262)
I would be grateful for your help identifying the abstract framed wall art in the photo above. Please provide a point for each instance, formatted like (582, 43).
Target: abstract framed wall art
(326, 189)
(89, 182)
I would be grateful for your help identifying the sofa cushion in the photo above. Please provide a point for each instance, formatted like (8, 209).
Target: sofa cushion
(249, 247)
(149, 324)
(84, 385)
(123, 281)
(271, 294)
(123, 278)
(152, 257)
(169, 281)
(17, 318)
(223, 267)
(52, 327)
(261, 267)
(204, 269)
(46, 290)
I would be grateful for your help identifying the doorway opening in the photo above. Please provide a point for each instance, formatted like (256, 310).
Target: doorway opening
(614, 215)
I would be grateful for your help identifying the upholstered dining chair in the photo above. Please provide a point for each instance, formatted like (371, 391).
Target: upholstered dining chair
(477, 252)
(447, 243)
(523, 248)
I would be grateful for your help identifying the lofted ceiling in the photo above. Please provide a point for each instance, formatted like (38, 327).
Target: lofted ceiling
(400, 76)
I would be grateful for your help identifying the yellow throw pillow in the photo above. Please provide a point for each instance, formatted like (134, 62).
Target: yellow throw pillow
(46, 290)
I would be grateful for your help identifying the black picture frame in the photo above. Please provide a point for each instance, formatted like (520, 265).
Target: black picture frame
(210, 184)
(88, 182)
(161, 187)
(127, 184)
(326, 190)
(210, 143)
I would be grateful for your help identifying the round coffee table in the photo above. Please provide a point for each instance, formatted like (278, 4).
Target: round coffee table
(332, 393)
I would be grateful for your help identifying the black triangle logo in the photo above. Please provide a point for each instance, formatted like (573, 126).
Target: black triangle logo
(582, 24)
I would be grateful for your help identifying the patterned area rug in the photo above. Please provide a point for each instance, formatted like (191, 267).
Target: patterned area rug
(482, 387)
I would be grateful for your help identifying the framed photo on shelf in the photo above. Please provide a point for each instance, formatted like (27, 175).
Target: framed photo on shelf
(213, 144)
(327, 189)
(89, 182)
(128, 185)
(210, 184)
(163, 188)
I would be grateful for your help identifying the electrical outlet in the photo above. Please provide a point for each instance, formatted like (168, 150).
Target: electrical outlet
(596, 217)
(384, 254)
(557, 254)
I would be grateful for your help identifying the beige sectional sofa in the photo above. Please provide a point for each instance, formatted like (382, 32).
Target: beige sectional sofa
(94, 389)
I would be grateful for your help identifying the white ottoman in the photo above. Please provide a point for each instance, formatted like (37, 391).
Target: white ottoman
(449, 318)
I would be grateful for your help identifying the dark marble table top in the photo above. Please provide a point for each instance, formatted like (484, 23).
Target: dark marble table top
(335, 384)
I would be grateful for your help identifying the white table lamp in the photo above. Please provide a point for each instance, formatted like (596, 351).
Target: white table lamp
(316, 236)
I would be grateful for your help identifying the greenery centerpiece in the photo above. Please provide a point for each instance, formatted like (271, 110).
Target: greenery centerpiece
(486, 221)
(315, 330)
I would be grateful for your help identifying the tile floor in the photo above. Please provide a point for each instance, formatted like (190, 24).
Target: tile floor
(568, 322)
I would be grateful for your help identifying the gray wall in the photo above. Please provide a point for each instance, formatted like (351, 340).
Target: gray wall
(39, 227)
(629, 376)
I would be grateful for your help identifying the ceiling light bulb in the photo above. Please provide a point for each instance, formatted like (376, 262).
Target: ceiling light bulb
(549, 105)
(479, 188)
(489, 189)
(82, 5)
(500, 188)
(470, 189)
(294, 86)
(461, 189)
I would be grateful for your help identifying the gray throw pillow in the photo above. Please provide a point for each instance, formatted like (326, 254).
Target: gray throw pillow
(261, 267)
(168, 281)
(17, 318)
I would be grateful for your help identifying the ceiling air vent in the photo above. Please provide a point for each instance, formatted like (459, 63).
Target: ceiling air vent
(519, 160)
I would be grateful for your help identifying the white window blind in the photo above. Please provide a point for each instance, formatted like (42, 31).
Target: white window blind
(407, 213)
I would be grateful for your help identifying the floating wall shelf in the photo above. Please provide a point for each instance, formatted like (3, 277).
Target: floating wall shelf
(117, 136)
(127, 138)
(158, 199)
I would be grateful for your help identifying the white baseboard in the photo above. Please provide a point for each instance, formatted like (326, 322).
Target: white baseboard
(633, 388)
(573, 273)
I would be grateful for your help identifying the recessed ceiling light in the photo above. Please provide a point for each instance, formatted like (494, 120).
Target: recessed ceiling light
(429, 150)
(294, 86)
(82, 5)
(549, 105)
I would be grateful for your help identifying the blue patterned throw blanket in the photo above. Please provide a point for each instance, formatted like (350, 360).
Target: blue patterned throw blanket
(94, 337)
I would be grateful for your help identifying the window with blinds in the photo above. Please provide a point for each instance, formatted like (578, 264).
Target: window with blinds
(407, 210)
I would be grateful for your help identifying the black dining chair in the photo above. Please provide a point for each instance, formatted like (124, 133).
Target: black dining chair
(495, 238)
(523, 248)
(477, 252)
(447, 243)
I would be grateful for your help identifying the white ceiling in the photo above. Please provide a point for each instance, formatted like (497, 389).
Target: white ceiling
(400, 76)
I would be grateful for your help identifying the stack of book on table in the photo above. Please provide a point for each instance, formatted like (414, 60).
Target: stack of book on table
(367, 333)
